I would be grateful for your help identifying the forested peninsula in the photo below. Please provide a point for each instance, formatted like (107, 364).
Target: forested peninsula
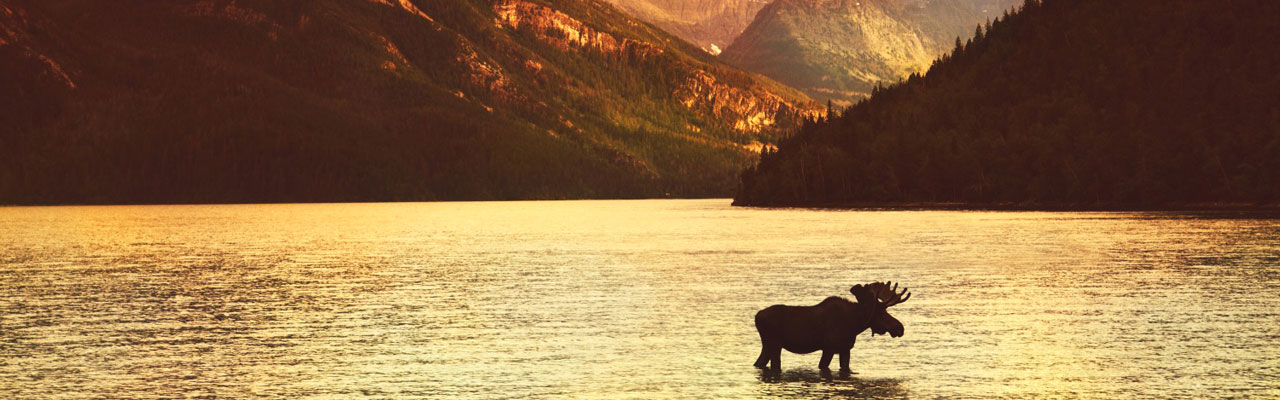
(1082, 104)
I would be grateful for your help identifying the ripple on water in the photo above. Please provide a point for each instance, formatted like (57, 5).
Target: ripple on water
(632, 299)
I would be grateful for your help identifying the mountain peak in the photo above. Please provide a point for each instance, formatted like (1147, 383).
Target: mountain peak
(709, 24)
(840, 50)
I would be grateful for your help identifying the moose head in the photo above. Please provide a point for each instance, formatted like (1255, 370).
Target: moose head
(880, 296)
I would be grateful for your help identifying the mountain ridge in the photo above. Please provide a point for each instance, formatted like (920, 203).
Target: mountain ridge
(839, 50)
(709, 24)
(354, 100)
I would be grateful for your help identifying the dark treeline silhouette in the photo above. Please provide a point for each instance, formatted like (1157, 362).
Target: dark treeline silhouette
(1065, 103)
(167, 101)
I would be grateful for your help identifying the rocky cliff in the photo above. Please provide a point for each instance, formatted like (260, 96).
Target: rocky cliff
(752, 108)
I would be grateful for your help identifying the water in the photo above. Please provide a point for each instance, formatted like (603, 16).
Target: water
(625, 299)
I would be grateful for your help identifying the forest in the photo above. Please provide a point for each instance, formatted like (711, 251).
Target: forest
(1060, 104)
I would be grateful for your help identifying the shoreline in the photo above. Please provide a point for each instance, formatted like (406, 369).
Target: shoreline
(239, 203)
(852, 206)
(1045, 207)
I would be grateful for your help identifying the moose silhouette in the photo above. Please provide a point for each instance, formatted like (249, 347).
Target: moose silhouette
(831, 326)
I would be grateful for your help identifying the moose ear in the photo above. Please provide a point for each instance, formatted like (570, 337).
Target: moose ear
(863, 294)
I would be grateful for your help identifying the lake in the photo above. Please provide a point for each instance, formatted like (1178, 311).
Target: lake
(626, 299)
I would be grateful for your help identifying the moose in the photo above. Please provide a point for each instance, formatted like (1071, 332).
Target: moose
(831, 326)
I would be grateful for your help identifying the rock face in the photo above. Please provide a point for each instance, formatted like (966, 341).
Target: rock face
(339, 100)
(745, 109)
(709, 24)
(840, 49)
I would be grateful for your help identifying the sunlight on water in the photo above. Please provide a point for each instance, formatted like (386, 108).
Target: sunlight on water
(625, 299)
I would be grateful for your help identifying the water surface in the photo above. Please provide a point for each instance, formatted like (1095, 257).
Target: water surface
(625, 299)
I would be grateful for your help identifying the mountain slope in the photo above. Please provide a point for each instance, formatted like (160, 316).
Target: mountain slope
(1084, 103)
(339, 100)
(840, 49)
(709, 24)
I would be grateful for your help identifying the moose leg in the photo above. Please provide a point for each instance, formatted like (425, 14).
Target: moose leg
(844, 361)
(825, 364)
(763, 360)
(775, 358)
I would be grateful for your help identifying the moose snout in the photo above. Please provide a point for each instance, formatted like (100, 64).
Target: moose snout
(894, 328)
(887, 324)
(896, 331)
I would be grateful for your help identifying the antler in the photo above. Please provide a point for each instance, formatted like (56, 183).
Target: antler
(888, 296)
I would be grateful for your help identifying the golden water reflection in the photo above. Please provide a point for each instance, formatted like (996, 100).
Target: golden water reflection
(631, 299)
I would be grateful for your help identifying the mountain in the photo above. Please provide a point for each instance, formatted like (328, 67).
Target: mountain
(710, 24)
(352, 100)
(839, 50)
(1067, 103)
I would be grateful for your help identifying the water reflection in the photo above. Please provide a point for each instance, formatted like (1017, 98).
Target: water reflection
(808, 383)
(630, 299)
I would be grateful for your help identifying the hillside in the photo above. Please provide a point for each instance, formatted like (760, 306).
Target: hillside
(709, 24)
(839, 50)
(354, 100)
(1080, 104)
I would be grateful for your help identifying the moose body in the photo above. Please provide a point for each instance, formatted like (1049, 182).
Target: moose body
(832, 326)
